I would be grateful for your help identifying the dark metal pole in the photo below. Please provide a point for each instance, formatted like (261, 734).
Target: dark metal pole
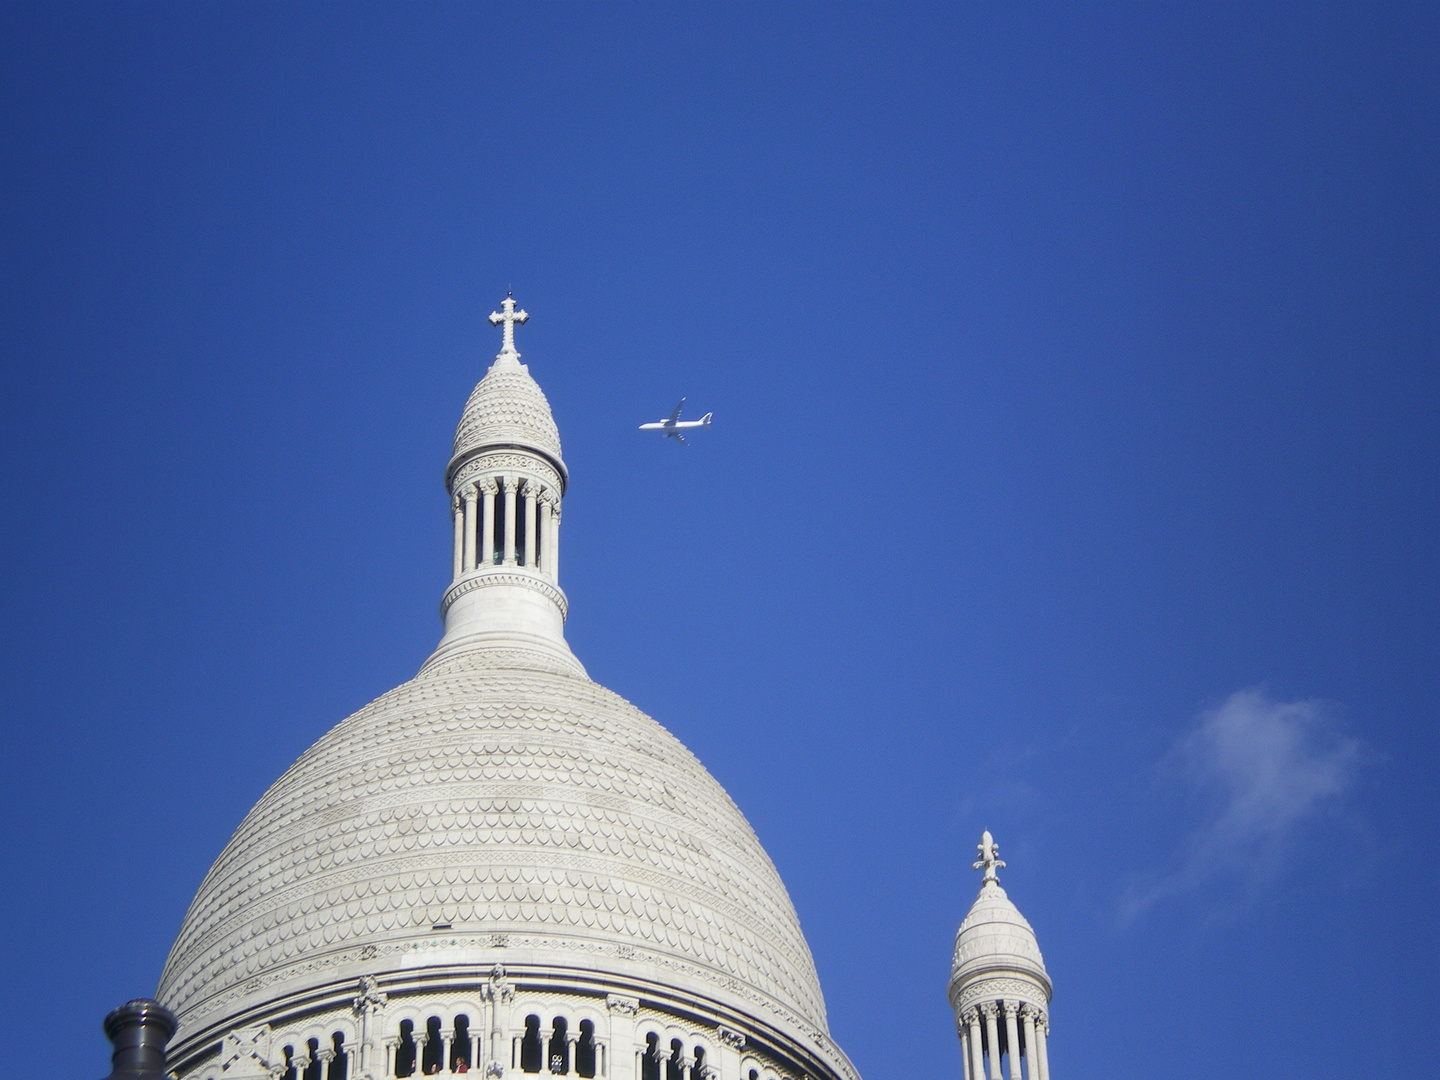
(139, 1030)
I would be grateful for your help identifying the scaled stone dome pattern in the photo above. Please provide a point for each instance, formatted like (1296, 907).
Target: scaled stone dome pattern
(496, 799)
(995, 934)
(507, 408)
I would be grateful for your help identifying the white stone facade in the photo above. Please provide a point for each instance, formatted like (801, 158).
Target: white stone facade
(496, 847)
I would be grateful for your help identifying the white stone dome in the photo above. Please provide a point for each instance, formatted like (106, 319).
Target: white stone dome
(995, 938)
(507, 408)
(532, 814)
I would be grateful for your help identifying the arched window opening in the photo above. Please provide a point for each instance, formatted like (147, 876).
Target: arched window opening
(530, 1049)
(460, 1048)
(673, 1069)
(754, 1074)
(534, 548)
(559, 1055)
(290, 1064)
(405, 1052)
(522, 529)
(650, 1060)
(312, 1070)
(340, 1063)
(434, 1047)
(699, 1070)
(585, 1050)
(496, 540)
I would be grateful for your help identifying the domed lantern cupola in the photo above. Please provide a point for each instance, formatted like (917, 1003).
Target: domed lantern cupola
(506, 480)
(999, 988)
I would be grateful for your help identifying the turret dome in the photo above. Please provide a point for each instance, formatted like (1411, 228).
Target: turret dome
(995, 937)
(507, 408)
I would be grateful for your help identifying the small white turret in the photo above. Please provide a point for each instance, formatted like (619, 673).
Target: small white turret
(998, 985)
(506, 479)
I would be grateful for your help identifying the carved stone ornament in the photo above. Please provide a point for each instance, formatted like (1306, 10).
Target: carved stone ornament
(245, 1052)
(731, 1038)
(494, 1069)
(499, 989)
(624, 1006)
(1010, 1008)
(511, 484)
(370, 996)
(989, 1010)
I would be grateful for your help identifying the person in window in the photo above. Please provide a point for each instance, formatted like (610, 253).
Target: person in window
(461, 1065)
(433, 1069)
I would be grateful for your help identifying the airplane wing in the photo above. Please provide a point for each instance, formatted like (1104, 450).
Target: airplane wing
(677, 435)
(674, 416)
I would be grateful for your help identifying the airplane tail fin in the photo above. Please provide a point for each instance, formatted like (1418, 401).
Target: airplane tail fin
(706, 419)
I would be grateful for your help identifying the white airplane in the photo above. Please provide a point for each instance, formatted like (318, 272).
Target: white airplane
(672, 425)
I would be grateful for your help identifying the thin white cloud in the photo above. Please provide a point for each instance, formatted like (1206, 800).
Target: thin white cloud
(1266, 767)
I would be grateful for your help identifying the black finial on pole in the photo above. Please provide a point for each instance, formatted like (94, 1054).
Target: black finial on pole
(139, 1030)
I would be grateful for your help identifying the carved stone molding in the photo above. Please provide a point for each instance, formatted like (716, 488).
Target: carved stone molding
(505, 461)
(525, 579)
(1017, 990)
(733, 1039)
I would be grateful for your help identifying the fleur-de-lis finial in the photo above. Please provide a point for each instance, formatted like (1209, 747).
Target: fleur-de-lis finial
(989, 859)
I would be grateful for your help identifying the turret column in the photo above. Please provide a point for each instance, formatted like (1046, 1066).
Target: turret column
(1012, 1036)
(487, 523)
(1032, 1059)
(468, 495)
(1042, 1029)
(511, 485)
(532, 549)
(457, 514)
(977, 1047)
(992, 1032)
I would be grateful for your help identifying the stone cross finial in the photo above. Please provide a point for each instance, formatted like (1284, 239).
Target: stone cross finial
(989, 859)
(509, 316)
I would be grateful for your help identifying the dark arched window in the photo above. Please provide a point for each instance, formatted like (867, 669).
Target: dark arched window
(460, 1048)
(434, 1047)
(699, 1069)
(559, 1055)
(673, 1068)
(312, 1071)
(405, 1052)
(530, 1049)
(754, 1074)
(290, 1064)
(650, 1061)
(340, 1063)
(585, 1050)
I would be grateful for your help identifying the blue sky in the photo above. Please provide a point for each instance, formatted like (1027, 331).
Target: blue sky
(1073, 472)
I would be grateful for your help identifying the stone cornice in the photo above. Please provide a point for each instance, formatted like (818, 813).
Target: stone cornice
(515, 577)
(462, 459)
